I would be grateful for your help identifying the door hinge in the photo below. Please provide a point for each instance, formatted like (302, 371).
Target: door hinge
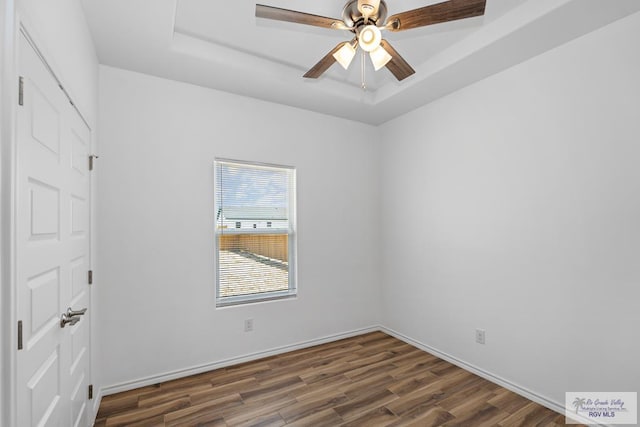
(90, 277)
(90, 391)
(91, 159)
(19, 334)
(21, 90)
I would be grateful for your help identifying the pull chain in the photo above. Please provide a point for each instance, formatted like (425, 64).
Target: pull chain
(364, 85)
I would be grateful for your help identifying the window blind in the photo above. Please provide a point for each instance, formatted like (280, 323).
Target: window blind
(255, 231)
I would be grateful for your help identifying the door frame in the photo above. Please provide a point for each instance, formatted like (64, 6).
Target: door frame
(8, 109)
(14, 24)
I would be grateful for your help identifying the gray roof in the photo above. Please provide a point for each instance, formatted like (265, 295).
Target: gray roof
(253, 213)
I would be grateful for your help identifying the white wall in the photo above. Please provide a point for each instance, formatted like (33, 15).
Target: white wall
(521, 200)
(155, 224)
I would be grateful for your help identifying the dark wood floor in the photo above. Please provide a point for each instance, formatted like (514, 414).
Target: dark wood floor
(369, 380)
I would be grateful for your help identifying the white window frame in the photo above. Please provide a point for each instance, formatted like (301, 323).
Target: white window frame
(292, 292)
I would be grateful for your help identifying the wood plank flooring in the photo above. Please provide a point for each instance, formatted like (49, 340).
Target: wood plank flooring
(368, 380)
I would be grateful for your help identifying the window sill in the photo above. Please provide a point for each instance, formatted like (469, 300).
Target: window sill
(254, 299)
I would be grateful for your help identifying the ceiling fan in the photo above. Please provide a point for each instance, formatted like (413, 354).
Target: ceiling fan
(366, 19)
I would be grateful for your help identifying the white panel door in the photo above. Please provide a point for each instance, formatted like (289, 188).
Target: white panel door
(52, 250)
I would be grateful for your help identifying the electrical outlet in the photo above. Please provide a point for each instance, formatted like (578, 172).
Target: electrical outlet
(248, 325)
(480, 336)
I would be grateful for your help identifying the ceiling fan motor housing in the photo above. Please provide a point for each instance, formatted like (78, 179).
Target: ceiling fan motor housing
(368, 7)
(353, 17)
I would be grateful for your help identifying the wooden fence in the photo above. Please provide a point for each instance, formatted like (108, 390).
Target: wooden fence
(270, 245)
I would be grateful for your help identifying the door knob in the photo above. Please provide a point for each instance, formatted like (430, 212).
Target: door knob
(66, 320)
(74, 313)
(71, 317)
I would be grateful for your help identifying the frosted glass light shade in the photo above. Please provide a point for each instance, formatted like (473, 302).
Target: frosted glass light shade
(379, 57)
(345, 55)
(369, 38)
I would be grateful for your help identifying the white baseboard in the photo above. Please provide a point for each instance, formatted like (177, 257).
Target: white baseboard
(180, 373)
(551, 404)
(496, 379)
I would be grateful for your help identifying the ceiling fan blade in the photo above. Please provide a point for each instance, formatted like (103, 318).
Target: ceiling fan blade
(435, 14)
(398, 66)
(278, 14)
(323, 65)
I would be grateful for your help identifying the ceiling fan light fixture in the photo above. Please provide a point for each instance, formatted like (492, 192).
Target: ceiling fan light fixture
(379, 57)
(345, 54)
(366, 18)
(369, 38)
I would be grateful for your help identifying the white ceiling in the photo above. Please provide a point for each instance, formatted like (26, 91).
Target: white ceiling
(222, 45)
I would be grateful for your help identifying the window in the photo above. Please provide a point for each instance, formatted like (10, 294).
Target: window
(254, 264)
(238, 224)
